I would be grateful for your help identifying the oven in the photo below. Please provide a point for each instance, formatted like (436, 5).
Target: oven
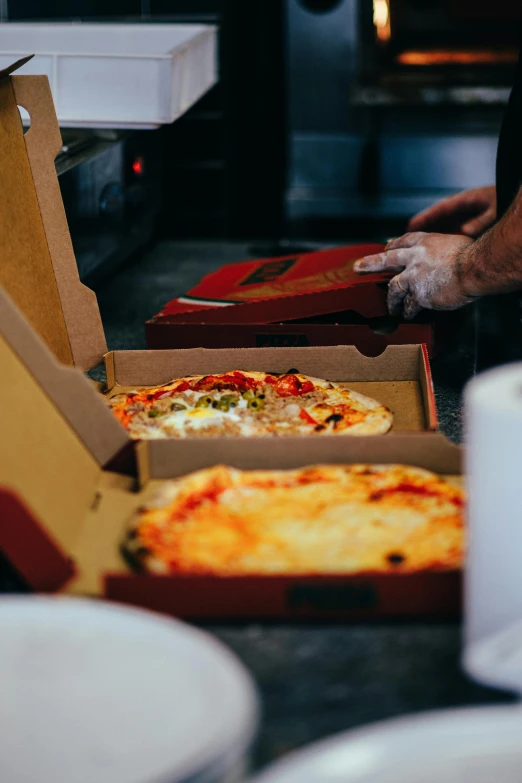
(111, 185)
(393, 105)
(454, 42)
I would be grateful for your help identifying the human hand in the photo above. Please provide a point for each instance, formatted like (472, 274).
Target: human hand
(471, 212)
(431, 272)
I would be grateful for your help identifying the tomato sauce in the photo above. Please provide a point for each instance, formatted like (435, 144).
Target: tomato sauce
(290, 386)
(305, 416)
(417, 489)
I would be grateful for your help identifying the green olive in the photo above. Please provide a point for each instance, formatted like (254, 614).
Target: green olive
(177, 406)
(223, 405)
(230, 398)
(248, 395)
(256, 404)
(154, 413)
(204, 402)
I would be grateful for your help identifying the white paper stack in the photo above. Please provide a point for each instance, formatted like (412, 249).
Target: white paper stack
(494, 467)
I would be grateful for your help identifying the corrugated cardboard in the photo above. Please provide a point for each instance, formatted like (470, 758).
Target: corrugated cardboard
(399, 378)
(94, 534)
(38, 265)
(407, 390)
(75, 510)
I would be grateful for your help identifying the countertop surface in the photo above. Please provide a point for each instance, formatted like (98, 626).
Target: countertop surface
(314, 680)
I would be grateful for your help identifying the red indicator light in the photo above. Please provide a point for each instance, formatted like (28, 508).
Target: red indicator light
(137, 166)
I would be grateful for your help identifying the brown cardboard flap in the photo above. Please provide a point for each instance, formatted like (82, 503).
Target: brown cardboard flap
(41, 458)
(5, 72)
(67, 389)
(337, 363)
(38, 266)
(78, 303)
(26, 269)
(426, 450)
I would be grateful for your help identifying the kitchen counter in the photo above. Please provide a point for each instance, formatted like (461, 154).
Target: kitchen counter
(314, 680)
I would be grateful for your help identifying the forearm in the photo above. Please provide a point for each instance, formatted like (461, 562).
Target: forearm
(493, 264)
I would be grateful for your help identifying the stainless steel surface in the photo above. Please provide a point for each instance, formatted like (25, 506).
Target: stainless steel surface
(81, 146)
(430, 95)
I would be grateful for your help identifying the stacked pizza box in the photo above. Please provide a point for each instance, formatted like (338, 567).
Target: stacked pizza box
(298, 300)
(74, 478)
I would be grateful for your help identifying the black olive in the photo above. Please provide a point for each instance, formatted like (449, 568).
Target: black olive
(292, 371)
(395, 558)
(335, 417)
(319, 428)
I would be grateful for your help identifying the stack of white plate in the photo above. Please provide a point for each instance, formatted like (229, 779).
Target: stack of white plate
(94, 693)
(482, 745)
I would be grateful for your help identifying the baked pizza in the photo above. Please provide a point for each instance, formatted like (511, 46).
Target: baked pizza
(341, 519)
(249, 404)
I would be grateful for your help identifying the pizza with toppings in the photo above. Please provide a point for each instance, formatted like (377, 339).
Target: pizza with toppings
(341, 519)
(241, 403)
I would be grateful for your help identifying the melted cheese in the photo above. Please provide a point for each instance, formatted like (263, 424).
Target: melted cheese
(323, 519)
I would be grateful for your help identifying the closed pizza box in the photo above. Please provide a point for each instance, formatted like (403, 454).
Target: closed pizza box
(62, 519)
(39, 274)
(305, 299)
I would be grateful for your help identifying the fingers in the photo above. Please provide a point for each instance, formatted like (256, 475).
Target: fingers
(442, 209)
(407, 240)
(401, 299)
(477, 226)
(410, 307)
(397, 292)
(422, 221)
(389, 261)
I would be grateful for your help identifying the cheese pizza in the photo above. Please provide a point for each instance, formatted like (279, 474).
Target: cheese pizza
(341, 519)
(248, 404)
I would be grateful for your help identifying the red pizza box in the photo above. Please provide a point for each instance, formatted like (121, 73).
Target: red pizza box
(307, 299)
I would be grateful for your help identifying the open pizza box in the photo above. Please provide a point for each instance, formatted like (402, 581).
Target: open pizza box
(63, 516)
(39, 273)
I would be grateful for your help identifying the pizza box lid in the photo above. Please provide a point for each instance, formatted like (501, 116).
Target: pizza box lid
(38, 268)
(283, 289)
(117, 695)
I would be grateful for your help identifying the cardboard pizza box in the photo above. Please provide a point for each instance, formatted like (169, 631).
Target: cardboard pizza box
(295, 300)
(400, 378)
(62, 516)
(39, 273)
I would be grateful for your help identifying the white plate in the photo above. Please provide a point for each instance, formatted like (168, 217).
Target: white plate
(95, 693)
(482, 745)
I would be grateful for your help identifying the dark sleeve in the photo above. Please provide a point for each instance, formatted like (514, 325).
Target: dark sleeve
(509, 155)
